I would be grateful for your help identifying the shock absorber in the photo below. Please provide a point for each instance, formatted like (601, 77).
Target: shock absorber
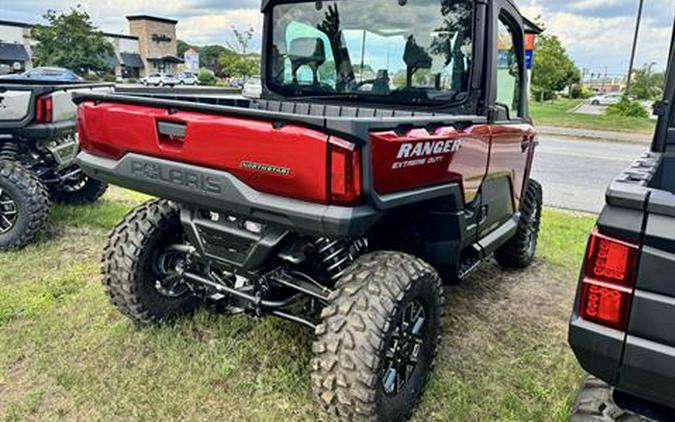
(336, 256)
(9, 151)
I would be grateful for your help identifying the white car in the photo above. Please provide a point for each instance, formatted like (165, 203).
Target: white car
(606, 99)
(253, 87)
(188, 78)
(158, 79)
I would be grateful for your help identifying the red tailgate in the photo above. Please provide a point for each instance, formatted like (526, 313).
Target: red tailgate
(285, 160)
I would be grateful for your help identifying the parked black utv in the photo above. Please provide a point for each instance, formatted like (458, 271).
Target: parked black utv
(38, 147)
(622, 329)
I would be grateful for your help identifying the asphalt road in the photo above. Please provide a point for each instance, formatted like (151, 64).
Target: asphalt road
(575, 173)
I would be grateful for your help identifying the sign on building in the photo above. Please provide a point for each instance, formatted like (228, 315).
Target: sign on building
(529, 50)
(191, 58)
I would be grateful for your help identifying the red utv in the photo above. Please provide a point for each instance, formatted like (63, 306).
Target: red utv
(392, 148)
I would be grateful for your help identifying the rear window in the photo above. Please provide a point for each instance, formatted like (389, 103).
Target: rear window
(394, 50)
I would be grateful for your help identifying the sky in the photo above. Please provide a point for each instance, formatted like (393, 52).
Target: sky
(597, 33)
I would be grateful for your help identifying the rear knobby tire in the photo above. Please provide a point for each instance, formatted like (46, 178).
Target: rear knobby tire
(89, 192)
(519, 252)
(129, 259)
(595, 403)
(357, 328)
(24, 206)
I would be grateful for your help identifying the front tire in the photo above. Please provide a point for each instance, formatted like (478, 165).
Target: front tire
(141, 275)
(378, 338)
(519, 252)
(82, 191)
(24, 206)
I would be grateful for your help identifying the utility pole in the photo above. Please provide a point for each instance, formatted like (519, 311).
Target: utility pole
(635, 40)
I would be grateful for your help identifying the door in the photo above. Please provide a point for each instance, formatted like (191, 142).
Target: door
(512, 134)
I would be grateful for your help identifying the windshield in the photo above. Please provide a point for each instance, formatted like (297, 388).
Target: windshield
(391, 50)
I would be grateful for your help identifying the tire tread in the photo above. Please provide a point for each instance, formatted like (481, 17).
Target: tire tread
(35, 199)
(351, 337)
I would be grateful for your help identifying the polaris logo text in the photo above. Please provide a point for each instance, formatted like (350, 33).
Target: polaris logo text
(176, 176)
(423, 153)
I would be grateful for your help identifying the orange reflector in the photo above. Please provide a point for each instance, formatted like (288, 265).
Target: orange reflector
(605, 304)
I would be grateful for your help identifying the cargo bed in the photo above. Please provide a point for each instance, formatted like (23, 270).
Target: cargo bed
(261, 152)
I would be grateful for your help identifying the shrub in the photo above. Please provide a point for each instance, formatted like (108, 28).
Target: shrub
(548, 95)
(206, 77)
(627, 108)
(580, 92)
(110, 78)
(92, 77)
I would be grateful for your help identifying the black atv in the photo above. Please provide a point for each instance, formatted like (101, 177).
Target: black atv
(38, 147)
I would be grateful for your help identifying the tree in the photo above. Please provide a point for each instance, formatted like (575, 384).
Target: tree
(648, 84)
(71, 41)
(553, 70)
(242, 40)
(209, 56)
(237, 65)
(239, 61)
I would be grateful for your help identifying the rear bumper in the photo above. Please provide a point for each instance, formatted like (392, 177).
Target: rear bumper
(222, 192)
(45, 131)
(644, 368)
(648, 371)
(597, 348)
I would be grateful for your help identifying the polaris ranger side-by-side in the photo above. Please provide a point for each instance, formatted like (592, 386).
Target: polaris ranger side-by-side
(623, 325)
(392, 145)
(38, 147)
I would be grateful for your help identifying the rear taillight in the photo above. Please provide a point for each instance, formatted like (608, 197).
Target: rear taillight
(44, 109)
(609, 275)
(345, 172)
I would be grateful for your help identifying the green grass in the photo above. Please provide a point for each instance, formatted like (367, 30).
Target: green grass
(557, 113)
(67, 354)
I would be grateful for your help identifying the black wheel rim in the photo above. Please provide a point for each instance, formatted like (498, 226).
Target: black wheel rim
(168, 268)
(8, 212)
(532, 231)
(404, 348)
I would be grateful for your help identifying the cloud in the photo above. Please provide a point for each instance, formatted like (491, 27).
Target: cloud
(597, 33)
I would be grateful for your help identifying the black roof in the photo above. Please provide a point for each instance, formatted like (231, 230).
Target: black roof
(126, 37)
(18, 24)
(13, 52)
(151, 18)
(531, 27)
(168, 59)
(132, 60)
